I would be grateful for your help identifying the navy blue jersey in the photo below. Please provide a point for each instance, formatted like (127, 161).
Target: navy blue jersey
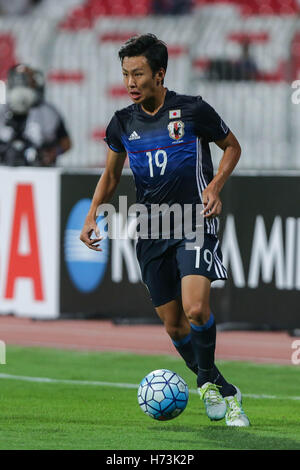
(169, 152)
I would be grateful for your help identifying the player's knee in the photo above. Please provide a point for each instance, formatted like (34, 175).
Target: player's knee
(174, 331)
(198, 313)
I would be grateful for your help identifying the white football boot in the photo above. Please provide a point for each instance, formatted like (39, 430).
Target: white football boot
(238, 394)
(235, 415)
(215, 405)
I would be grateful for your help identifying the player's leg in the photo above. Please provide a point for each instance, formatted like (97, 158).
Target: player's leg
(160, 275)
(196, 299)
(178, 328)
(209, 267)
(196, 304)
(159, 268)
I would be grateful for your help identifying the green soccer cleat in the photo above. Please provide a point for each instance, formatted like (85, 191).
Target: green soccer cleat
(215, 405)
(235, 415)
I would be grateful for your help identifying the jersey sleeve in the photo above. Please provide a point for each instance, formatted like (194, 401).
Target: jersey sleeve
(208, 123)
(113, 136)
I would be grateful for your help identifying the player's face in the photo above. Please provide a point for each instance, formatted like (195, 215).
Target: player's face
(139, 79)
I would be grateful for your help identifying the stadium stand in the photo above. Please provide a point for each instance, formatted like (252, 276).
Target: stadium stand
(76, 43)
(258, 7)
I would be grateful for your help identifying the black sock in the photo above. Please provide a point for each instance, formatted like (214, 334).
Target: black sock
(186, 351)
(217, 378)
(203, 340)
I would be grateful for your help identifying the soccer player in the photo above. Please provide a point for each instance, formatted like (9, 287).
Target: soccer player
(166, 137)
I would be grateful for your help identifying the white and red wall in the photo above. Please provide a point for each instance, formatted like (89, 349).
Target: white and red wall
(46, 272)
(29, 242)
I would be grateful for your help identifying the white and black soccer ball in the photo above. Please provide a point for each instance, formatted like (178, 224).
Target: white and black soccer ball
(163, 394)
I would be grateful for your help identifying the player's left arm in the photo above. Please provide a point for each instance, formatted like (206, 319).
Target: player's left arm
(211, 194)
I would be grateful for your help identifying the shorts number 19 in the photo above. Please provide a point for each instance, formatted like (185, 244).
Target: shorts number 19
(207, 255)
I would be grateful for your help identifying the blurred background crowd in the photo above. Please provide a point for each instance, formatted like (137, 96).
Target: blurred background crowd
(242, 56)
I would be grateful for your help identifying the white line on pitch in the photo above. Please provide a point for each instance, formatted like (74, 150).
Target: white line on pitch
(123, 385)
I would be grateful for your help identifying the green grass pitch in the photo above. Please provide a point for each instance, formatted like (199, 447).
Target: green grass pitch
(89, 415)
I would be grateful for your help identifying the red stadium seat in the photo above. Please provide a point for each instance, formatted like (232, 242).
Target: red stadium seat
(80, 18)
(117, 91)
(201, 64)
(258, 7)
(7, 54)
(295, 53)
(278, 75)
(243, 36)
(83, 17)
(65, 76)
(116, 36)
(175, 51)
(98, 134)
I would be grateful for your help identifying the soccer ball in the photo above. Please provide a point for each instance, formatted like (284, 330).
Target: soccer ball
(163, 394)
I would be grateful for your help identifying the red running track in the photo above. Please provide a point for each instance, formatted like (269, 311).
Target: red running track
(94, 335)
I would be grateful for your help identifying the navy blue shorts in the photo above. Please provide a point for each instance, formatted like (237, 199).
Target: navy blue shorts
(164, 263)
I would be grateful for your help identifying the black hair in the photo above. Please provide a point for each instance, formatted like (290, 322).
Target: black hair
(149, 46)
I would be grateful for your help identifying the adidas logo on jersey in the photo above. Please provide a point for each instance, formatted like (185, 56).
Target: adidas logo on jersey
(134, 136)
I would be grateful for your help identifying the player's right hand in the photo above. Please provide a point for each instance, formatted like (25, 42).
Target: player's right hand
(90, 227)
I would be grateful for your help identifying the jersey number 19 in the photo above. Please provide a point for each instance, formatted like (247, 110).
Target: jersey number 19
(160, 160)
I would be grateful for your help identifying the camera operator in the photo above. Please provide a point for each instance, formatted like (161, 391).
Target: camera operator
(32, 132)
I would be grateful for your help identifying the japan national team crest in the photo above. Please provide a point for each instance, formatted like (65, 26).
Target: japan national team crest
(176, 129)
